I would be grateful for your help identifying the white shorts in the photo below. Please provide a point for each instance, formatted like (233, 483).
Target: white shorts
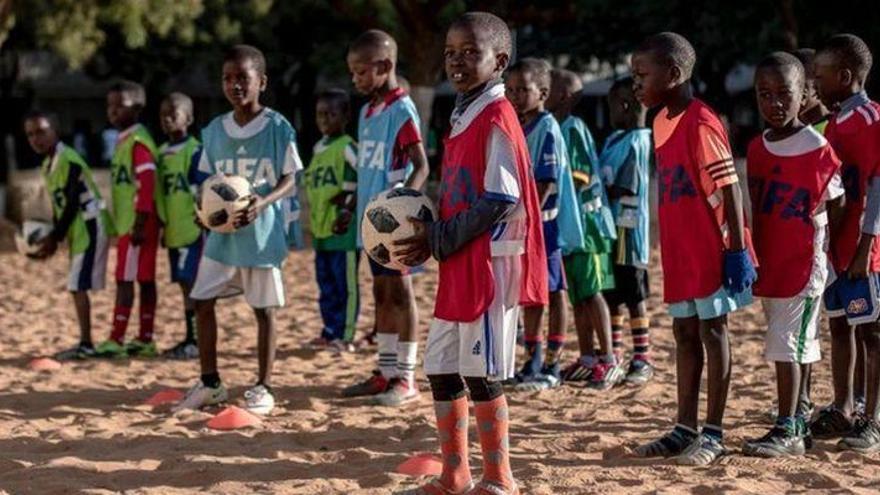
(485, 347)
(88, 270)
(792, 329)
(262, 287)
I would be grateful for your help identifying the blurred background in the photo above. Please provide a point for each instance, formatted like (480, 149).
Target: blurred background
(61, 55)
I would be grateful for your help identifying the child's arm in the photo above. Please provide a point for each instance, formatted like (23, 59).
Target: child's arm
(861, 262)
(419, 176)
(145, 205)
(285, 187)
(347, 199)
(626, 182)
(72, 191)
(546, 169)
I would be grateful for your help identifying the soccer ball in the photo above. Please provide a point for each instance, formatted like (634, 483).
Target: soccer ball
(386, 220)
(220, 199)
(32, 232)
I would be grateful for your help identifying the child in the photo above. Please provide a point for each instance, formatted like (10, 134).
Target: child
(331, 182)
(178, 178)
(259, 144)
(625, 160)
(390, 146)
(136, 221)
(707, 265)
(79, 215)
(793, 172)
(587, 270)
(489, 244)
(528, 85)
(842, 67)
(813, 111)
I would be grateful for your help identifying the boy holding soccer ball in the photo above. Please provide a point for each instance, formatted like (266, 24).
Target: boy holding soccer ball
(259, 144)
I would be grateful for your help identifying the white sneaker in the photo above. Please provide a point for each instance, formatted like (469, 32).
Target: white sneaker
(200, 396)
(259, 400)
(399, 392)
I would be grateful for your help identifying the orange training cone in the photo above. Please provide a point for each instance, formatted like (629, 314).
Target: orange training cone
(44, 364)
(166, 396)
(421, 465)
(233, 418)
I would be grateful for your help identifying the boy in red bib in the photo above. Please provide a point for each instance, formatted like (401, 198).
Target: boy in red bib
(491, 251)
(793, 172)
(842, 67)
(707, 266)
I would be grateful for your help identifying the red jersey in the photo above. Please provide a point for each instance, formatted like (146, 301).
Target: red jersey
(693, 163)
(787, 184)
(466, 284)
(855, 137)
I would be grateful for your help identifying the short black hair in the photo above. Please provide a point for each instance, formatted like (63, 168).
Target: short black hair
(375, 41)
(491, 24)
(539, 70)
(783, 62)
(338, 97)
(622, 84)
(851, 52)
(239, 53)
(672, 49)
(181, 101)
(807, 56)
(568, 79)
(36, 114)
(133, 90)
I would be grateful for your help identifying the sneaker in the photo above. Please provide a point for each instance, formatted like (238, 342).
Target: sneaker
(805, 409)
(139, 348)
(80, 351)
(199, 396)
(435, 487)
(399, 392)
(778, 442)
(702, 451)
(549, 377)
(670, 444)
(577, 372)
(111, 349)
(831, 422)
(259, 400)
(188, 349)
(639, 372)
(374, 385)
(859, 406)
(805, 431)
(864, 437)
(606, 376)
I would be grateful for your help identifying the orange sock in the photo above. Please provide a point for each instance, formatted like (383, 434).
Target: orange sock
(452, 426)
(492, 427)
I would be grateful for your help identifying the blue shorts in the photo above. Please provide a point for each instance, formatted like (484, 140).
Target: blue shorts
(858, 299)
(380, 271)
(184, 261)
(556, 271)
(719, 303)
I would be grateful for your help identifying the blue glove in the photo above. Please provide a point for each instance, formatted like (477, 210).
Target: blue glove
(739, 272)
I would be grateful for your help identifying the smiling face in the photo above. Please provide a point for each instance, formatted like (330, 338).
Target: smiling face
(524, 93)
(242, 83)
(780, 93)
(40, 135)
(471, 59)
(651, 78)
(122, 111)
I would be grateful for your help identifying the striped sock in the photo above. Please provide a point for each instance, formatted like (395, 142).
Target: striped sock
(641, 338)
(387, 343)
(617, 336)
(554, 349)
(407, 355)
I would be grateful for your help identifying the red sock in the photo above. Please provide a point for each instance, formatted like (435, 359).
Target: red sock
(492, 427)
(120, 322)
(147, 313)
(452, 427)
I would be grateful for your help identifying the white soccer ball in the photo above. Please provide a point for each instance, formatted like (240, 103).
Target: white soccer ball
(386, 220)
(32, 232)
(221, 197)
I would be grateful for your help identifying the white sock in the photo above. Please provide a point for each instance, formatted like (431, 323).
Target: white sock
(387, 354)
(407, 355)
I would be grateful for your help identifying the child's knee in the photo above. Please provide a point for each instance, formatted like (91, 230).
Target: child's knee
(483, 390)
(446, 387)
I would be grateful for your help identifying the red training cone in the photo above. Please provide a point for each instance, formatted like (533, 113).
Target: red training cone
(44, 364)
(166, 396)
(233, 418)
(421, 465)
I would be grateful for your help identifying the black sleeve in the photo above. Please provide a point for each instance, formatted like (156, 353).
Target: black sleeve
(447, 237)
(71, 204)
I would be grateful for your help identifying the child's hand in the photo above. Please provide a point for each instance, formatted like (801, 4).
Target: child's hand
(340, 199)
(137, 232)
(414, 250)
(739, 272)
(248, 215)
(47, 247)
(861, 262)
(343, 220)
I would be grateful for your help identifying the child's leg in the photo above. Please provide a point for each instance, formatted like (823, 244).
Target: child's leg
(584, 325)
(400, 316)
(688, 367)
(602, 323)
(387, 333)
(860, 369)
(265, 343)
(329, 284)
(842, 363)
(871, 340)
(639, 327)
(451, 411)
(352, 295)
(532, 316)
(493, 422)
(83, 306)
(558, 316)
(713, 333)
(206, 324)
(788, 381)
(617, 320)
(148, 298)
(189, 312)
(122, 310)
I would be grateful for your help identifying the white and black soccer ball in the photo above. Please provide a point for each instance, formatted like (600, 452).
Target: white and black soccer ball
(221, 197)
(32, 232)
(386, 220)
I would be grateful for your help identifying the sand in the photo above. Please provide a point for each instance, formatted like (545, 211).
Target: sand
(84, 428)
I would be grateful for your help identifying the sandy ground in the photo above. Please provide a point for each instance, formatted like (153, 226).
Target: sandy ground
(83, 429)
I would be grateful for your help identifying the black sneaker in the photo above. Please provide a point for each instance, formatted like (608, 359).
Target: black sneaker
(831, 422)
(80, 351)
(670, 444)
(778, 442)
(187, 349)
(639, 372)
(577, 372)
(864, 437)
(805, 431)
